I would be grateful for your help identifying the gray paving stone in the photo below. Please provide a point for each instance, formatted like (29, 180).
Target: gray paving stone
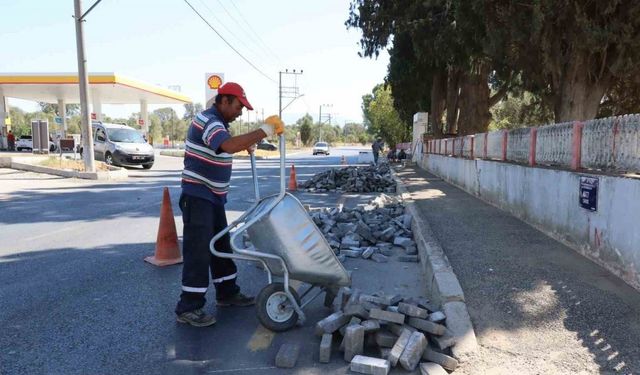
(413, 351)
(408, 258)
(412, 310)
(430, 368)
(388, 316)
(287, 356)
(427, 326)
(398, 347)
(325, 348)
(385, 339)
(379, 258)
(437, 317)
(447, 362)
(353, 341)
(331, 323)
(369, 365)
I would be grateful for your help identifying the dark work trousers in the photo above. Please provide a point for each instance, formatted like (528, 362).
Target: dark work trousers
(202, 220)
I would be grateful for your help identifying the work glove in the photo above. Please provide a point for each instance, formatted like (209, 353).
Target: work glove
(272, 126)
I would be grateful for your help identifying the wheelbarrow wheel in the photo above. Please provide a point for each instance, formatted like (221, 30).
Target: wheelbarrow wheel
(274, 309)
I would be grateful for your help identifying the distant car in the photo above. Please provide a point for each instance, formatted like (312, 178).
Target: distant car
(25, 142)
(121, 145)
(321, 148)
(265, 145)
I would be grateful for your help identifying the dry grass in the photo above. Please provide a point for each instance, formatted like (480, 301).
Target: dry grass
(68, 164)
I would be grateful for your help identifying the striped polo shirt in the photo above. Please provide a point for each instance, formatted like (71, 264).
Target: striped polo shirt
(207, 170)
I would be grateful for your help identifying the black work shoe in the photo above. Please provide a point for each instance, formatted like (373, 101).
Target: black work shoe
(238, 299)
(196, 318)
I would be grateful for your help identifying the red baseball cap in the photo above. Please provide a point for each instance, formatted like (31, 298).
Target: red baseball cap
(232, 88)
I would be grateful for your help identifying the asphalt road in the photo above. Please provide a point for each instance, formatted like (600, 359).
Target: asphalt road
(77, 298)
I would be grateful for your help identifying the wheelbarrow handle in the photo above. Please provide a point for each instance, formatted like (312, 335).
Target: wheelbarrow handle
(254, 174)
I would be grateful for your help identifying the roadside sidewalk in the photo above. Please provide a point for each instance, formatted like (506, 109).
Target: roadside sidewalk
(537, 306)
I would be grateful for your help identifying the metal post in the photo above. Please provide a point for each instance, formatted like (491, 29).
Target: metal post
(87, 136)
(280, 95)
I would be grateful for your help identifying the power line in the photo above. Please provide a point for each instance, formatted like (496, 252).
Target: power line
(229, 44)
(244, 30)
(219, 22)
(254, 32)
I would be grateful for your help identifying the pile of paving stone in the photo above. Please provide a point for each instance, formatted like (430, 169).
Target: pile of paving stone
(377, 332)
(352, 179)
(375, 231)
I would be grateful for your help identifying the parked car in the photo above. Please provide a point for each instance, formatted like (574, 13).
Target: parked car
(121, 145)
(265, 145)
(25, 142)
(321, 148)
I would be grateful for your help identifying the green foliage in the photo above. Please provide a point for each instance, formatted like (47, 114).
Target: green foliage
(170, 123)
(518, 111)
(191, 110)
(49, 108)
(305, 124)
(450, 55)
(383, 119)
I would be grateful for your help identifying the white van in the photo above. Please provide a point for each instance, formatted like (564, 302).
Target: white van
(121, 145)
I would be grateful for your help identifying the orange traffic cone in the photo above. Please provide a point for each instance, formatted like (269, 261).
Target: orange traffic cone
(167, 249)
(293, 183)
(343, 161)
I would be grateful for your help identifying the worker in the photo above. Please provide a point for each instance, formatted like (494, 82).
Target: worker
(377, 147)
(205, 181)
(11, 141)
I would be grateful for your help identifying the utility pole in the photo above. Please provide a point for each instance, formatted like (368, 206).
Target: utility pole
(83, 78)
(290, 92)
(320, 122)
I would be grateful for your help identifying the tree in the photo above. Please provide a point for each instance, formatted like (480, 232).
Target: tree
(305, 123)
(384, 120)
(437, 59)
(71, 109)
(191, 110)
(520, 110)
(570, 52)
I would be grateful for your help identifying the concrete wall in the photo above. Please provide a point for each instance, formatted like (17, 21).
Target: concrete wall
(548, 200)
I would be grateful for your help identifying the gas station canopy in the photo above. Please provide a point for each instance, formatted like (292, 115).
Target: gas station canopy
(104, 88)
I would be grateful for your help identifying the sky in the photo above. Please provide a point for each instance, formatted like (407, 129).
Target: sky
(164, 42)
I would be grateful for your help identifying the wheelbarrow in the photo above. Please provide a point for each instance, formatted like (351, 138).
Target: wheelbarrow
(289, 246)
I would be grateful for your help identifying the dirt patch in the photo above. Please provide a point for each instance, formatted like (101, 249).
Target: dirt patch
(68, 164)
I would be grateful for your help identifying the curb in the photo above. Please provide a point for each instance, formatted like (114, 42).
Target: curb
(16, 163)
(442, 283)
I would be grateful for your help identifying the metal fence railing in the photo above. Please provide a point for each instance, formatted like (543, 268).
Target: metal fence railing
(609, 144)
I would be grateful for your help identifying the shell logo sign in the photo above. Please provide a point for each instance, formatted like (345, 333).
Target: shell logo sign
(213, 81)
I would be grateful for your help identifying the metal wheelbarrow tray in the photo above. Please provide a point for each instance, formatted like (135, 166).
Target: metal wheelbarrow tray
(289, 246)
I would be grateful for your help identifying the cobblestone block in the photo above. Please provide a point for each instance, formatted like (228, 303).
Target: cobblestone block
(353, 341)
(369, 365)
(356, 310)
(437, 317)
(447, 362)
(368, 252)
(287, 356)
(351, 253)
(370, 325)
(353, 321)
(427, 326)
(385, 339)
(413, 351)
(412, 310)
(398, 347)
(430, 368)
(379, 258)
(331, 323)
(325, 348)
(408, 258)
(386, 316)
